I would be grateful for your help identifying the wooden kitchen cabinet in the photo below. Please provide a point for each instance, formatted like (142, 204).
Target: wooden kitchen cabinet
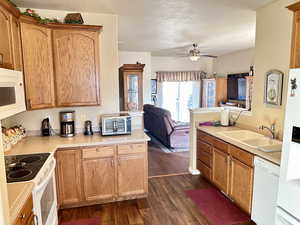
(6, 54)
(99, 165)
(26, 216)
(241, 184)
(295, 48)
(101, 174)
(76, 59)
(132, 179)
(220, 170)
(231, 168)
(16, 43)
(69, 176)
(38, 66)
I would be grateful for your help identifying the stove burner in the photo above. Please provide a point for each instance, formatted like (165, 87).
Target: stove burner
(19, 174)
(16, 166)
(31, 159)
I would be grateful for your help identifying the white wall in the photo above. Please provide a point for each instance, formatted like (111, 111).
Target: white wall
(109, 62)
(235, 62)
(126, 57)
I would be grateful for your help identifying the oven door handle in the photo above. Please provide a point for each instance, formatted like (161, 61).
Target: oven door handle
(50, 174)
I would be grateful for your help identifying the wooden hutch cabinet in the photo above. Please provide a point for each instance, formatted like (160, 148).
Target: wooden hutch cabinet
(295, 49)
(131, 87)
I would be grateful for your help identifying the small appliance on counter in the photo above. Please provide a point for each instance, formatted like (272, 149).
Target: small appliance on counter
(88, 128)
(67, 123)
(115, 124)
(46, 128)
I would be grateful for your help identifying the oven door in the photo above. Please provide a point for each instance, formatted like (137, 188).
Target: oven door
(12, 100)
(44, 199)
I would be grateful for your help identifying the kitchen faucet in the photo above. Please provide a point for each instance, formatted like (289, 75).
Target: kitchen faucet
(271, 129)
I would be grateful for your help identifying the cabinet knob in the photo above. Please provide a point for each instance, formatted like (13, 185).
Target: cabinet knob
(29, 103)
(112, 163)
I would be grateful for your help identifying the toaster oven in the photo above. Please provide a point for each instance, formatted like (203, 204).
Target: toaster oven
(115, 124)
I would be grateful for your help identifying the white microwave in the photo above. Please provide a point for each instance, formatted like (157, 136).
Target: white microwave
(12, 98)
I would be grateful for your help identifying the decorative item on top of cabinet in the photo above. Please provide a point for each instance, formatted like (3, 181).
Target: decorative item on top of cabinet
(38, 66)
(131, 87)
(295, 49)
(76, 59)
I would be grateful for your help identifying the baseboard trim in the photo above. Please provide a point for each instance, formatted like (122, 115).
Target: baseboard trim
(194, 171)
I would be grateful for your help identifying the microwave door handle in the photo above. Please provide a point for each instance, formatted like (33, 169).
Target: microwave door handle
(45, 182)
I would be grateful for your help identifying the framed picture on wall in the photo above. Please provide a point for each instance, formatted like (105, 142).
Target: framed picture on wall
(273, 87)
(153, 86)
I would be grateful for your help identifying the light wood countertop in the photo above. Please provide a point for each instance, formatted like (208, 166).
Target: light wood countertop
(18, 194)
(274, 157)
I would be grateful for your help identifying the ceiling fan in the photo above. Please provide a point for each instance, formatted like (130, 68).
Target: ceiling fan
(195, 54)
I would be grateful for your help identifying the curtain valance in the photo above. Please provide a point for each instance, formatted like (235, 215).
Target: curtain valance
(180, 75)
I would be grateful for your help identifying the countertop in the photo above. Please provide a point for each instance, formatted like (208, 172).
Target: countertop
(38, 144)
(18, 194)
(274, 157)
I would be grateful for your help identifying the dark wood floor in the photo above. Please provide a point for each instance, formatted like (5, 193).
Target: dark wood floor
(162, 164)
(165, 205)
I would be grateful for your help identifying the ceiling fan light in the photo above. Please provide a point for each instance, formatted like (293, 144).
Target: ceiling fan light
(194, 58)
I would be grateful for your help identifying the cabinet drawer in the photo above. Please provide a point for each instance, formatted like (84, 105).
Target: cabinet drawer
(26, 213)
(202, 146)
(221, 145)
(131, 148)
(205, 171)
(204, 137)
(97, 152)
(205, 157)
(242, 155)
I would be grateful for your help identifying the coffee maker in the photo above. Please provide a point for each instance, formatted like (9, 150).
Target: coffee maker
(67, 123)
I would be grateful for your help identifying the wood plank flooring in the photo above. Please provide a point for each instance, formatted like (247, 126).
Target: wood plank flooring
(166, 204)
(166, 164)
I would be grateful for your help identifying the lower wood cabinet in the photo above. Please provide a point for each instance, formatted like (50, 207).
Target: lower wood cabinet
(68, 177)
(99, 178)
(132, 179)
(231, 168)
(241, 184)
(220, 170)
(26, 216)
(101, 174)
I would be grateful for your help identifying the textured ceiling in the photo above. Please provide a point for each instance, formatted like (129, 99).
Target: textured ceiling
(168, 27)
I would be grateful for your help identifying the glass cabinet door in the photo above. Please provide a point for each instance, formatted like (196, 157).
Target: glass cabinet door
(132, 91)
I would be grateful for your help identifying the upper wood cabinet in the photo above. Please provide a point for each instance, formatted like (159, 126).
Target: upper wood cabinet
(131, 87)
(295, 49)
(10, 48)
(38, 66)
(6, 55)
(16, 43)
(76, 59)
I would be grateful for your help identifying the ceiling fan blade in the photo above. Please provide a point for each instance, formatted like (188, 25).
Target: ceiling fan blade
(210, 56)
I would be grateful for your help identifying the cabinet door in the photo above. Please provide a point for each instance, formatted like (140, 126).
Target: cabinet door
(38, 66)
(16, 44)
(31, 220)
(220, 170)
(6, 57)
(241, 184)
(133, 90)
(132, 174)
(76, 59)
(68, 177)
(99, 178)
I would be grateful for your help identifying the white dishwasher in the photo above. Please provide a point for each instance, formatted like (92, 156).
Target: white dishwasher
(265, 189)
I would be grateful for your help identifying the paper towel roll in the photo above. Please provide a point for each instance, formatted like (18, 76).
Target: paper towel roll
(225, 117)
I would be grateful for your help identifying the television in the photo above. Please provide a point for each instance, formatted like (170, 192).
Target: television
(236, 87)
